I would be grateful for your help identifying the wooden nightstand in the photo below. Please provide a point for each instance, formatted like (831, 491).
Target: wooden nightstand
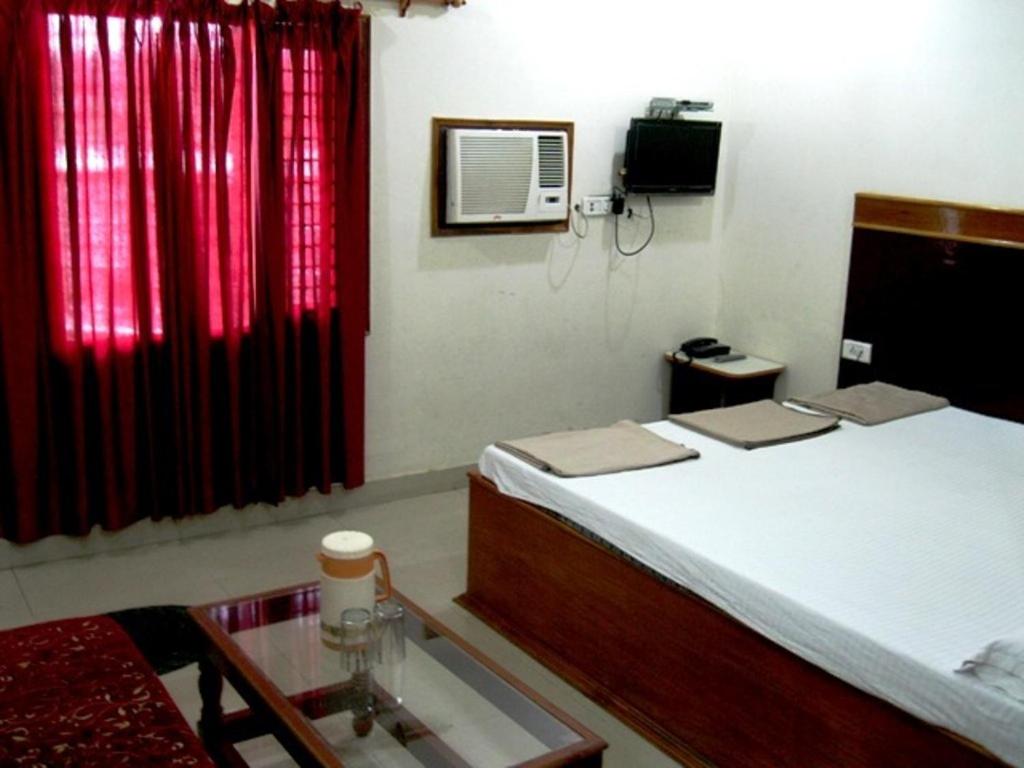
(703, 383)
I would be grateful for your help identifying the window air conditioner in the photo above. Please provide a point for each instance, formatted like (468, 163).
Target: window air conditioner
(501, 175)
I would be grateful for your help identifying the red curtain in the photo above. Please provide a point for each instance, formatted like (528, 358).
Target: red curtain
(184, 263)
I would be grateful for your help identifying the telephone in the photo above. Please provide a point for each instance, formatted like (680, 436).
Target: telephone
(703, 346)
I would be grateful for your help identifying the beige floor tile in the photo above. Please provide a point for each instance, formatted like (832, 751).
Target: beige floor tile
(258, 559)
(265, 752)
(154, 575)
(183, 685)
(54, 548)
(51, 548)
(431, 584)
(414, 533)
(14, 610)
(492, 742)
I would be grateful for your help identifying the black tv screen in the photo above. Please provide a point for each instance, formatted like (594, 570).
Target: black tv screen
(672, 156)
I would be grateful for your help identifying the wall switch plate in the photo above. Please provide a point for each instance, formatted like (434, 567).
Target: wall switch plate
(858, 351)
(596, 205)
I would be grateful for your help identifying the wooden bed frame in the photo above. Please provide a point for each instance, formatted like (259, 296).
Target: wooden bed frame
(696, 682)
(703, 687)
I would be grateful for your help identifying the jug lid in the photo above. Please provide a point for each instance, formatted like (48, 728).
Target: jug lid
(346, 545)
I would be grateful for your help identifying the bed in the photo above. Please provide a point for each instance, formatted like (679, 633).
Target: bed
(799, 605)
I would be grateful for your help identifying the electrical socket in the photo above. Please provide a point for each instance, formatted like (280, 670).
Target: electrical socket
(858, 351)
(596, 205)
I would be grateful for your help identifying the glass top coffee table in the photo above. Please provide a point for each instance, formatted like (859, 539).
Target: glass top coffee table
(458, 708)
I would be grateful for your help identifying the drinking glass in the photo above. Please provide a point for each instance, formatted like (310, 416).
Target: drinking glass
(357, 644)
(390, 650)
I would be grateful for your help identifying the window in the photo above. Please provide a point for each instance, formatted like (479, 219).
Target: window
(311, 231)
(93, 190)
(109, 180)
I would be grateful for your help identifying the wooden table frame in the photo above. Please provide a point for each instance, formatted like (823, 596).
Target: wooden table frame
(287, 718)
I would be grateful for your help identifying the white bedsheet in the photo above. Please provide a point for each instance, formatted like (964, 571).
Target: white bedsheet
(885, 555)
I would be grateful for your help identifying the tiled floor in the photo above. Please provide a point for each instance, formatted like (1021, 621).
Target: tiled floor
(424, 537)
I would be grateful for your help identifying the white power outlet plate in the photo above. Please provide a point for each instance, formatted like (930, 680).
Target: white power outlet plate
(596, 205)
(858, 351)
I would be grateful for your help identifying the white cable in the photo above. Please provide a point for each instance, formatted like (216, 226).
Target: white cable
(650, 208)
(572, 222)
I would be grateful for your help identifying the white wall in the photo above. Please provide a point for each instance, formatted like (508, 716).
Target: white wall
(917, 98)
(480, 338)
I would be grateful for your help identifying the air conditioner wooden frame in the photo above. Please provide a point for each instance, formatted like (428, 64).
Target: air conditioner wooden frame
(439, 175)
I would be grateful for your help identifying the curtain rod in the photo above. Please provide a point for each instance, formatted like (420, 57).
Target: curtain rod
(403, 5)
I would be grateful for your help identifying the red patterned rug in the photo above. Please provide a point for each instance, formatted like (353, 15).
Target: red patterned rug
(78, 693)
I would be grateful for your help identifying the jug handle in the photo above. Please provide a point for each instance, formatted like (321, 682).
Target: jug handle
(380, 557)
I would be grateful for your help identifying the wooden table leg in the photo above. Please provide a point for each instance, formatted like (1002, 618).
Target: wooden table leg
(211, 718)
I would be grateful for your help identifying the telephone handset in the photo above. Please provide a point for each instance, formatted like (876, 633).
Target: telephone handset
(703, 346)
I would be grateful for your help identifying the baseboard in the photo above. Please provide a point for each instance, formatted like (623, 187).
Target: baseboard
(146, 532)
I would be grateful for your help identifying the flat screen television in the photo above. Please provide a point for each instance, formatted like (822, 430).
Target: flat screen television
(672, 156)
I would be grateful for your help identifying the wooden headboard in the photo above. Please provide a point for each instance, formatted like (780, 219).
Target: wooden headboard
(937, 288)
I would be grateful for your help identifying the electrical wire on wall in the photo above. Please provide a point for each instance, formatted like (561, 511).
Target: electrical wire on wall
(650, 236)
(572, 222)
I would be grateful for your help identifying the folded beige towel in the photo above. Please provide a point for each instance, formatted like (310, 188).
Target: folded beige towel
(874, 403)
(756, 424)
(622, 446)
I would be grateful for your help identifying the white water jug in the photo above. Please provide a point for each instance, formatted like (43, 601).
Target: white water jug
(347, 579)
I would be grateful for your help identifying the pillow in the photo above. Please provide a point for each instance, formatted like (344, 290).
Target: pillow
(1000, 665)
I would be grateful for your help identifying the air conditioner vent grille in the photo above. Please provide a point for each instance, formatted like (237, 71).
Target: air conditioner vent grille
(506, 175)
(496, 174)
(551, 161)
